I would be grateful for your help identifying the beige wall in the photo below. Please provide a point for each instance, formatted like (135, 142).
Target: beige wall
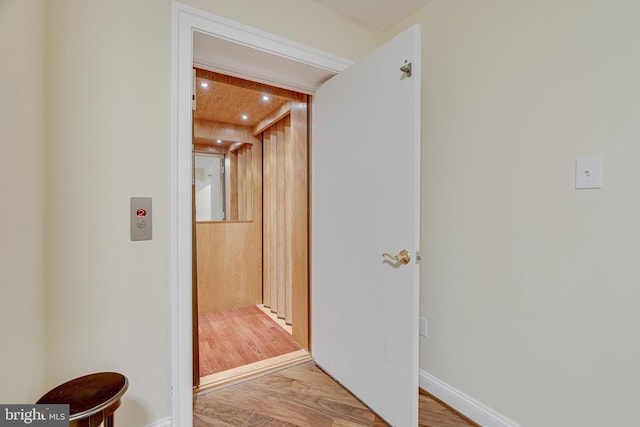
(85, 120)
(21, 209)
(529, 286)
(107, 111)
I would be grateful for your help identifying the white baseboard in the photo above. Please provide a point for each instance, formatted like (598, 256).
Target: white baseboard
(164, 422)
(462, 403)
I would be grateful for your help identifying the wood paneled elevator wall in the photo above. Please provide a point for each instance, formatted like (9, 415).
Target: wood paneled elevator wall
(285, 202)
(261, 254)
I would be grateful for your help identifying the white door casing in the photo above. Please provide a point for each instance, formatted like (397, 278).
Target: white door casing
(185, 21)
(365, 201)
(240, 51)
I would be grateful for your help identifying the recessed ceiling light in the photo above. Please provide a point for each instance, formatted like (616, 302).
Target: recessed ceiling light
(245, 117)
(265, 98)
(219, 141)
(204, 85)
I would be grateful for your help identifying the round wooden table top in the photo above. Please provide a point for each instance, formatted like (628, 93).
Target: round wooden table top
(89, 394)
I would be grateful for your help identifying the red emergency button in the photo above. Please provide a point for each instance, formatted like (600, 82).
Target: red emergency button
(141, 213)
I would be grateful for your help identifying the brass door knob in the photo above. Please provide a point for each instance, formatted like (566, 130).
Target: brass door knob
(402, 257)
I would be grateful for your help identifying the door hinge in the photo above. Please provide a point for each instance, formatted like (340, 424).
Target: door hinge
(406, 69)
(193, 90)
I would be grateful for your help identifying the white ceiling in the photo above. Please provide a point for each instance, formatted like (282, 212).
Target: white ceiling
(378, 14)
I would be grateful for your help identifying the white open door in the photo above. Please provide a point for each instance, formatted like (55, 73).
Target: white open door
(365, 201)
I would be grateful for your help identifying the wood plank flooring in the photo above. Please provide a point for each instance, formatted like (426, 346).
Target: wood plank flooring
(433, 413)
(302, 395)
(233, 338)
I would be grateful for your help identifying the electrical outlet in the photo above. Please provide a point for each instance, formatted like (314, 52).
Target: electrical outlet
(423, 327)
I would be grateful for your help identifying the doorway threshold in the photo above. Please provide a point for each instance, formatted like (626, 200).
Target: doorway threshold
(251, 371)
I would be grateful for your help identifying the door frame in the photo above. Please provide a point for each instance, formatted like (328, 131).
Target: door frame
(184, 21)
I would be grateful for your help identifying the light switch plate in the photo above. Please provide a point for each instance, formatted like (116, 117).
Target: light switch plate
(141, 215)
(423, 327)
(589, 172)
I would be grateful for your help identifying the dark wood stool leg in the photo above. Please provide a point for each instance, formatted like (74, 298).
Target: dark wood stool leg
(108, 422)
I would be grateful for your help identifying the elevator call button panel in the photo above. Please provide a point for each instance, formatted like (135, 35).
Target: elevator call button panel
(140, 218)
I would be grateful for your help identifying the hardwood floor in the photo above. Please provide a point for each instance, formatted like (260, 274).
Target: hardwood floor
(238, 337)
(302, 395)
(433, 413)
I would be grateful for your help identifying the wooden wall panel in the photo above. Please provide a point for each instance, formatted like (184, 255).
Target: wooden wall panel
(242, 169)
(244, 166)
(266, 216)
(299, 222)
(289, 195)
(257, 208)
(274, 232)
(248, 185)
(233, 187)
(273, 226)
(285, 204)
(229, 253)
(270, 290)
(281, 218)
(229, 274)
